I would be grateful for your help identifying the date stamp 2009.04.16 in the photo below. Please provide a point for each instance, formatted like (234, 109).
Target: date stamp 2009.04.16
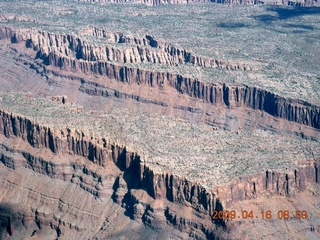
(264, 214)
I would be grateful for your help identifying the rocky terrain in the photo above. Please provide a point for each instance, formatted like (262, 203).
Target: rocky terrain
(109, 134)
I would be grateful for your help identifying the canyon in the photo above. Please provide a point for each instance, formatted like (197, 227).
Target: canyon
(109, 135)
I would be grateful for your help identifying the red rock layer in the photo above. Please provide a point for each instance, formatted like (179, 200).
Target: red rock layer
(158, 185)
(70, 53)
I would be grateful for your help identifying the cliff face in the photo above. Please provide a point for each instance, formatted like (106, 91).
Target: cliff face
(139, 176)
(67, 142)
(136, 186)
(218, 95)
(96, 186)
(70, 53)
(271, 183)
(139, 50)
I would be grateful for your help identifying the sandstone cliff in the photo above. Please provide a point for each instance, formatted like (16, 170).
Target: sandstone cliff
(70, 53)
(136, 175)
(60, 182)
(116, 47)
(98, 151)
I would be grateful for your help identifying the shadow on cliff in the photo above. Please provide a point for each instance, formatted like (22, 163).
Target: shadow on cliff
(129, 164)
(17, 224)
(284, 13)
(9, 223)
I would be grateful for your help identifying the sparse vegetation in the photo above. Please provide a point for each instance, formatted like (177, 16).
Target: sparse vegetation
(184, 147)
(260, 36)
(167, 144)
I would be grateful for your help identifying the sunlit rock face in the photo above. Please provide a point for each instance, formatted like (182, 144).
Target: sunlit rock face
(106, 134)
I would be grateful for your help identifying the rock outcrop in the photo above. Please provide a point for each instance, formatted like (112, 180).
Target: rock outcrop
(70, 53)
(66, 142)
(66, 183)
(136, 50)
(137, 178)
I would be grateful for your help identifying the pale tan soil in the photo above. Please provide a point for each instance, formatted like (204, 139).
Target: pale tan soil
(170, 145)
(280, 41)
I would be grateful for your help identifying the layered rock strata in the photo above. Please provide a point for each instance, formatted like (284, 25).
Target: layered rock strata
(70, 53)
(137, 175)
(116, 47)
(98, 151)
(148, 196)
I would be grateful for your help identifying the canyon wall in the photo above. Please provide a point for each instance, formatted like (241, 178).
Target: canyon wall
(71, 142)
(116, 47)
(157, 185)
(155, 198)
(70, 53)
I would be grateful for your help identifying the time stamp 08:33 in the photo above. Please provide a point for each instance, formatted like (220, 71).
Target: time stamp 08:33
(244, 214)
